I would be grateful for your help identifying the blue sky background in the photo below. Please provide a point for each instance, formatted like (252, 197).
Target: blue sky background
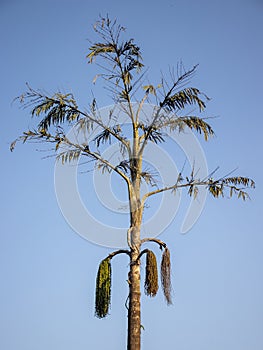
(47, 271)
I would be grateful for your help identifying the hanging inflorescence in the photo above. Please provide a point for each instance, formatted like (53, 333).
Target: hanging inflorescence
(103, 289)
(166, 275)
(151, 275)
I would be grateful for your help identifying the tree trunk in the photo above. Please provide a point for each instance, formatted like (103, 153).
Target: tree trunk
(134, 279)
(134, 312)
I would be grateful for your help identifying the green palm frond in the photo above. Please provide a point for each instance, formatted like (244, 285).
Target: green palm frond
(130, 50)
(152, 133)
(134, 64)
(40, 135)
(55, 109)
(99, 49)
(183, 98)
(192, 122)
(103, 137)
(124, 165)
(84, 125)
(69, 156)
(197, 124)
(148, 178)
(124, 58)
(217, 188)
(58, 115)
(193, 191)
(106, 134)
(239, 180)
(105, 168)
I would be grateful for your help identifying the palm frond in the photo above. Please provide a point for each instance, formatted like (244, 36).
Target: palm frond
(124, 165)
(217, 188)
(152, 133)
(123, 58)
(148, 178)
(130, 50)
(106, 134)
(98, 49)
(103, 167)
(239, 180)
(55, 109)
(84, 125)
(40, 135)
(69, 156)
(183, 98)
(193, 191)
(192, 122)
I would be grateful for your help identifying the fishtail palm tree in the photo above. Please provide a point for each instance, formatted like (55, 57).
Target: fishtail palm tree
(123, 72)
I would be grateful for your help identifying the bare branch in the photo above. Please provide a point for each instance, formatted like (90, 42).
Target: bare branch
(141, 254)
(155, 240)
(120, 251)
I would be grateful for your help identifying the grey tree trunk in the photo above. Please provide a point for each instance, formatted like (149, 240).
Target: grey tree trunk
(134, 280)
(134, 313)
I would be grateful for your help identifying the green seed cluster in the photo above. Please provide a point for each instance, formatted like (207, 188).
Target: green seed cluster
(103, 289)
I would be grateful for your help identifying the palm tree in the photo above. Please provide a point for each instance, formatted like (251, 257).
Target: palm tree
(123, 72)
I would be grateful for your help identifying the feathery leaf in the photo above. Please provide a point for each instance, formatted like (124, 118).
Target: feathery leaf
(181, 99)
(192, 122)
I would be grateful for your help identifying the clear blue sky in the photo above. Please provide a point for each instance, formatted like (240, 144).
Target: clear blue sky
(47, 271)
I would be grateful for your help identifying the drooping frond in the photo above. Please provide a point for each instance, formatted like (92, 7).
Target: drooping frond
(218, 188)
(131, 51)
(148, 178)
(234, 184)
(193, 191)
(150, 89)
(55, 110)
(183, 98)
(84, 125)
(106, 135)
(152, 133)
(199, 125)
(124, 165)
(99, 49)
(69, 156)
(122, 58)
(40, 135)
(105, 168)
(192, 122)
(239, 180)
(151, 275)
(103, 289)
(166, 275)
